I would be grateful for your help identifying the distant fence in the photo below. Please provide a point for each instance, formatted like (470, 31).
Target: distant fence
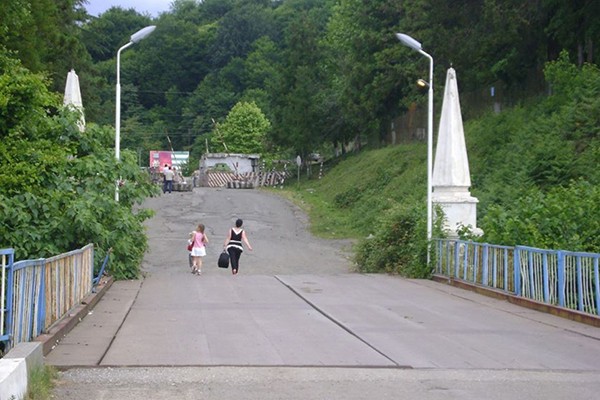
(557, 277)
(255, 179)
(38, 293)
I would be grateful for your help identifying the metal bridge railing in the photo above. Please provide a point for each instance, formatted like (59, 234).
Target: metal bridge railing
(6, 262)
(38, 293)
(557, 277)
(68, 280)
(481, 263)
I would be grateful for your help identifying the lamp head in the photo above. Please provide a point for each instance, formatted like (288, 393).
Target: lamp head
(422, 83)
(409, 41)
(142, 33)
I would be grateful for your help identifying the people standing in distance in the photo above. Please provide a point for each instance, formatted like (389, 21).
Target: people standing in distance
(162, 172)
(169, 174)
(233, 245)
(199, 241)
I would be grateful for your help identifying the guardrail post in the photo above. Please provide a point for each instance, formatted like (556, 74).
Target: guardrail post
(546, 278)
(517, 271)
(42, 298)
(560, 259)
(465, 261)
(579, 285)
(505, 268)
(6, 308)
(9, 300)
(597, 286)
(475, 261)
(438, 252)
(456, 258)
(484, 271)
(530, 273)
(448, 257)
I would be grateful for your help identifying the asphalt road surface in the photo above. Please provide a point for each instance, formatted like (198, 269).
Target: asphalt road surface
(276, 228)
(297, 323)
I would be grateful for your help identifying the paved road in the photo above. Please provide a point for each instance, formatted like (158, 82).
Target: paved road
(297, 324)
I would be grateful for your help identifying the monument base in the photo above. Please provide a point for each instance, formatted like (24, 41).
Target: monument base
(460, 211)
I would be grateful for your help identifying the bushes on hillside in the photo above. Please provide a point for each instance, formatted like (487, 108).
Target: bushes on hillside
(563, 218)
(399, 246)
(536, 167)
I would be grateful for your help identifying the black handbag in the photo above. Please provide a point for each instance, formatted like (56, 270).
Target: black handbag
(223, 260)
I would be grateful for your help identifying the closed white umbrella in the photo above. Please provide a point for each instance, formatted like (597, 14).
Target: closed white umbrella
(73, 97)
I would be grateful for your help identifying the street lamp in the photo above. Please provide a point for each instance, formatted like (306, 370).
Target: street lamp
(136, 37)
(415, 45)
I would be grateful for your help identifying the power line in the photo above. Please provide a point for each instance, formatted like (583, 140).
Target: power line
(162, 92)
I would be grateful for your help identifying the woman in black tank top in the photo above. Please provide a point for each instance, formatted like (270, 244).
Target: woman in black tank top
(233, 245)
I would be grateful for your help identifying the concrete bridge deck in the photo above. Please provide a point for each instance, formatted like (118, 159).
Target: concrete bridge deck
(297, 324)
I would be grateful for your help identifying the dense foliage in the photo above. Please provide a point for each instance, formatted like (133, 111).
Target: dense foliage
(536, 166)
(324, 72)
(58, 184)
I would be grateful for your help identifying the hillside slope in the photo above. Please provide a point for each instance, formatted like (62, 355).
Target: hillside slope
(534, 169)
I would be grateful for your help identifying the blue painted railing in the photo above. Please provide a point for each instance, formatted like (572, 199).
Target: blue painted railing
(557, 277)
(38, 293)
(26, 292)
(7, 257)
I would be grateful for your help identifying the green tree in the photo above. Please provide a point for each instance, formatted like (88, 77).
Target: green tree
(238, 29)
(45, 36)
(297, 119)
(571, 25)
(104, 35)
(262, 76)
(298, 81)
(243, 131)
(58, 183)
(366, 80)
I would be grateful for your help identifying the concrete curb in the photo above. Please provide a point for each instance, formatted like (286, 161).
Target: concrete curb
(60, 329)
(16, 366)
(573, 315)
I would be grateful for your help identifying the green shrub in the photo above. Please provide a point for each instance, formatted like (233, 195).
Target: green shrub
(563, 218)
(399, 246)
(58, 184)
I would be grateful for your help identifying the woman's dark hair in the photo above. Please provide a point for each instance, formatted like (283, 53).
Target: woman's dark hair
(238, 223)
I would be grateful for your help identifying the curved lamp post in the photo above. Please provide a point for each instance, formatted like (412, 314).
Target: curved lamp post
(415, 45)
(136, 37)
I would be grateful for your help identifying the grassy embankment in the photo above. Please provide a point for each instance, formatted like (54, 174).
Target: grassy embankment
(364, 194)
(357, 191)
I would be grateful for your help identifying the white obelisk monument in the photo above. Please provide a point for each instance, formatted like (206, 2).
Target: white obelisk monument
(72, 97)
(451, 179)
